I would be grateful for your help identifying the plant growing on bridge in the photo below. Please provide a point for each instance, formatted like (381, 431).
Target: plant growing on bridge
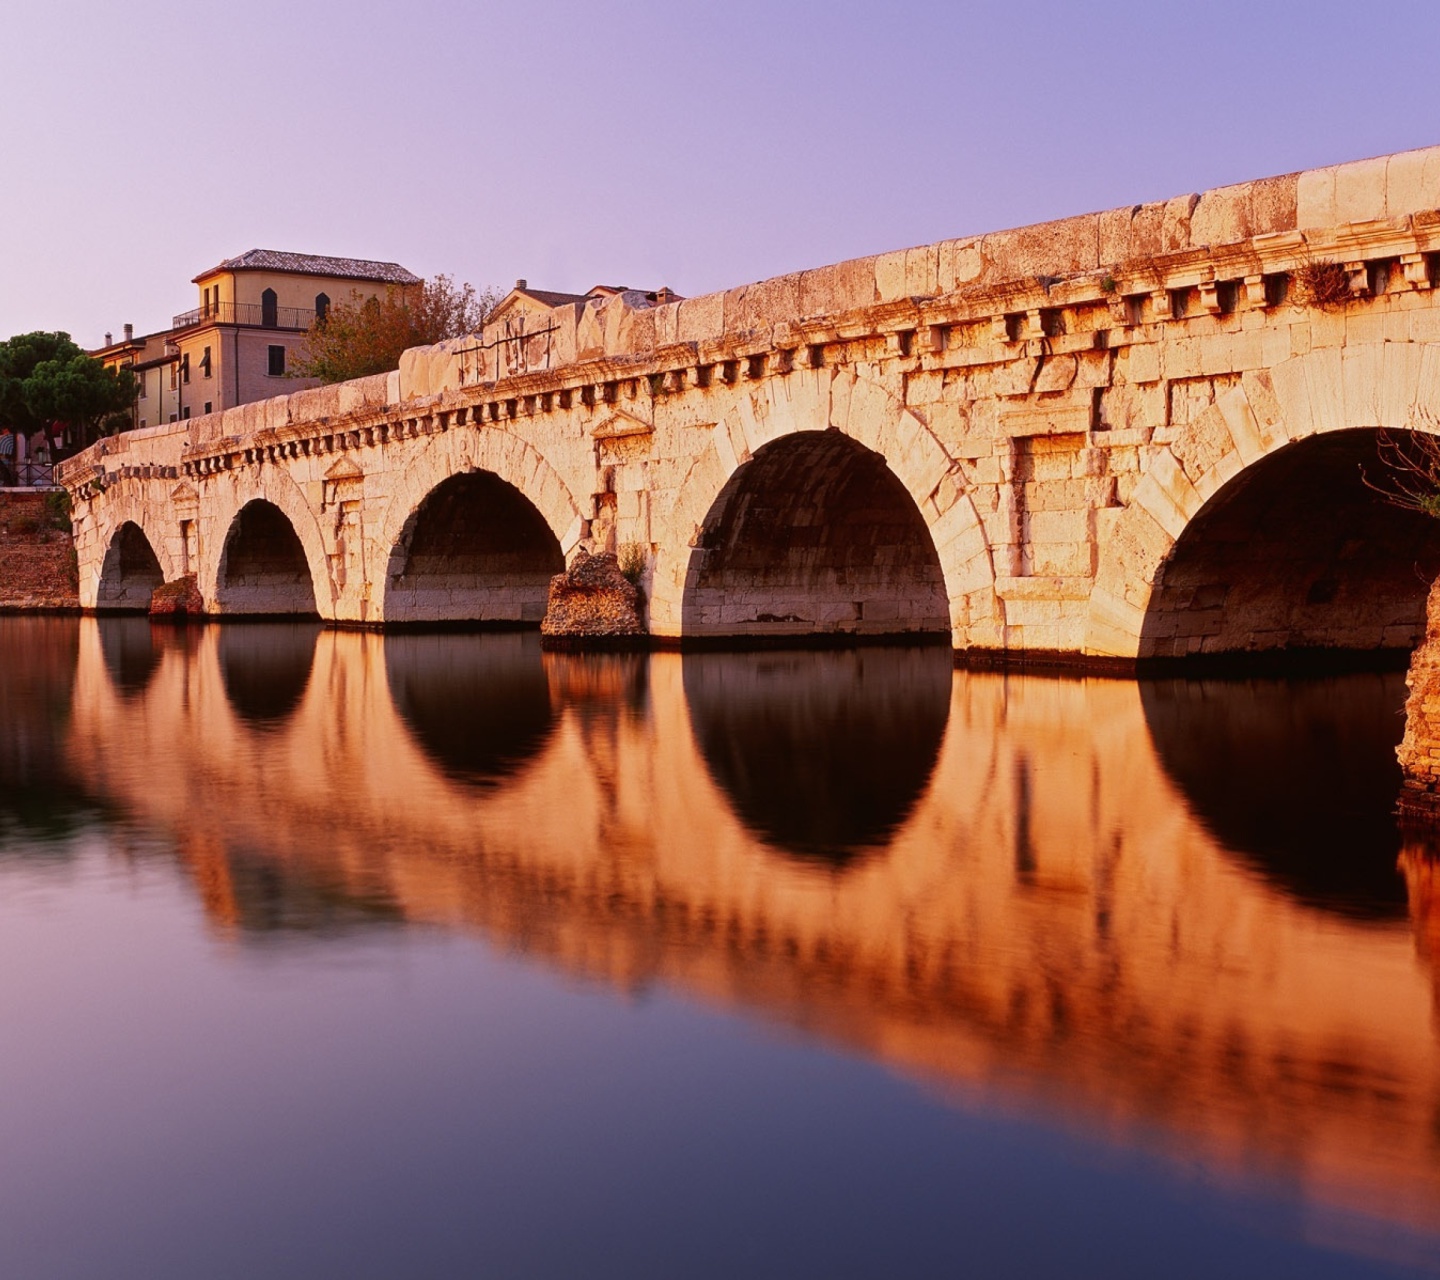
(367, 335)
(631, 560)
(45, 377)
(1321, 284)
(1410, 467)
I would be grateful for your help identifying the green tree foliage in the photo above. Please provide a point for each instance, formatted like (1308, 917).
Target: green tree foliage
(45, 377)
(367, 335)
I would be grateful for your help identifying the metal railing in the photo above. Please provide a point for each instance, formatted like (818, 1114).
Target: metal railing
(248, 313)
(27, 474)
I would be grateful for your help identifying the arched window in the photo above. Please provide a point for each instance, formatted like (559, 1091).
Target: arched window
(269, 309)
(322, 306)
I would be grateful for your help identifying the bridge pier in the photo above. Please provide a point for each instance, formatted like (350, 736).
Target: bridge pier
(1419, 750)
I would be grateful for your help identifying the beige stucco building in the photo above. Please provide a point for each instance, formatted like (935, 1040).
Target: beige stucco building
(236, 346)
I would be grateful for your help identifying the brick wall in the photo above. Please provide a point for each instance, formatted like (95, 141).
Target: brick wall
(37, 561)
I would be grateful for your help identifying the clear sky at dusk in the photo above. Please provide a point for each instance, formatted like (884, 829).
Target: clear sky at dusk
(698, 146)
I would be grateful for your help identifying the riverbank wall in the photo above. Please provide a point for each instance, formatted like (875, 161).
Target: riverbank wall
(38, 571)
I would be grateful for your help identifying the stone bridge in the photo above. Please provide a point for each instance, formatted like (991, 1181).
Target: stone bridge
(1130, 434)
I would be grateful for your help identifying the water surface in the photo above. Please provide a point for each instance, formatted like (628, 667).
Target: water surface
(329, 954)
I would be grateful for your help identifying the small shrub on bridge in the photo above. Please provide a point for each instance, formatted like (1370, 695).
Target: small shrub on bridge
(632, 561)
(1321, 284)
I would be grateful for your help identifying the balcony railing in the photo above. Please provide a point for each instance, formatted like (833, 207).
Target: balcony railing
(249, 313)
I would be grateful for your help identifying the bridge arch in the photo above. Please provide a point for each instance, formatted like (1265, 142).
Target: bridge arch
(129, 572)
(263, 569)
(278, 492)
(475, 532)
(1253, 530)
(812, 437)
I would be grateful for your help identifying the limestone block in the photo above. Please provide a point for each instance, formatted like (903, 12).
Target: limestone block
(909, 273)
(1057, 526)
(590, 330)
(701, 318)
(890, 276)
(757, 307)
(1175, 223)
(1323, 379)
(1133, 232)
(1360, 191)
(841, 287)
(628, 330)
(1246, 437)
(1221, 216)
(1291, 392)
(1065, 247)
(392, 387)
(958, 263)
(1412, 182)
(1315, 200)
(277, 412)
(1166, 493)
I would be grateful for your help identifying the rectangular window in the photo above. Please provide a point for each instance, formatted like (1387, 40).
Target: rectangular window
(277, 362)
(185, 367)
(144, 385)
(207, 406)
(185, 412)
(205, 362)
(172, 417)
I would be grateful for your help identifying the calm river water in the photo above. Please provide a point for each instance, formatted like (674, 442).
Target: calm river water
(327, 954)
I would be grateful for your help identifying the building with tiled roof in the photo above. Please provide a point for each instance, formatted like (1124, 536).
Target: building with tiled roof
(238, 345)
(314, 264)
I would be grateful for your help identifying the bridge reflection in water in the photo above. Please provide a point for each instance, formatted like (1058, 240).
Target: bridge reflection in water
(1169, 911)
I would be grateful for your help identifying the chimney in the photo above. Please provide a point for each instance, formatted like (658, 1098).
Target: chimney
(522, 283)
(663, 295)
(109, 339)
(129, 333)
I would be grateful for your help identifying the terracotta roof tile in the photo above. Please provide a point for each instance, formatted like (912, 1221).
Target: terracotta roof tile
(316, 264)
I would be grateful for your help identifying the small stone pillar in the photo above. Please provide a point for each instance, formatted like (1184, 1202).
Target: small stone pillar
(1419, 750)
(177, 600)
(592, 606)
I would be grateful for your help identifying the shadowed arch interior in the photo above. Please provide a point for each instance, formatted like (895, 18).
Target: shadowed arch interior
(822, 755)
(263, 570)
(130, 572)
(479, 706)
(814, 535)
(475, 550)
(1296, 553)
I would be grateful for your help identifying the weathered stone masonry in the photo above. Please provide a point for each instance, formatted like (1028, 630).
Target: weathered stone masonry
(1126, 434)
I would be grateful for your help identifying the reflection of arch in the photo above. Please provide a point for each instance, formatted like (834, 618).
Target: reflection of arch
(822, 754)
(814, 535)
(1298, 777)
(131, 651)
(479, 706)
(1367, 386)
(265, 668)
(263, 569)
(815, 400)
(476, 549)
(130, 571)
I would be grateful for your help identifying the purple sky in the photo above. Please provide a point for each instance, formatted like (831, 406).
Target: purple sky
(645, 143)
